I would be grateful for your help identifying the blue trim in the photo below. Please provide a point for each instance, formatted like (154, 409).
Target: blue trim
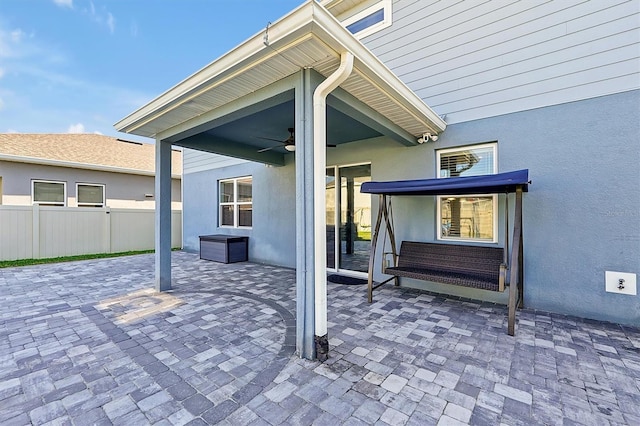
(485, 184)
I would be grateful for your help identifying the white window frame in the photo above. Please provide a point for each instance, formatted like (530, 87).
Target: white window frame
(49, 203)
(385, 6)
(439, 236)
(235, 203)
(80, 204)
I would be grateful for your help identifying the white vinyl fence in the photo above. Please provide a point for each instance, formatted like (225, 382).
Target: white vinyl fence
(34, 232)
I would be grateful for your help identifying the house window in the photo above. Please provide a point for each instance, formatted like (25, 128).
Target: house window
(236, 202)
(370, 20)
(468, 217)
(49, 193)
(90, 195)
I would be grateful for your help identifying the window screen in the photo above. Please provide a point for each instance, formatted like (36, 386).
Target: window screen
(49, 193)
(90, 195)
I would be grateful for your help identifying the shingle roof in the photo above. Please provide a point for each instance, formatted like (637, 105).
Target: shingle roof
(84, 150)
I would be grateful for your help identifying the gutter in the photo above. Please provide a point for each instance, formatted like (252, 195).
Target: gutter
(319, 208)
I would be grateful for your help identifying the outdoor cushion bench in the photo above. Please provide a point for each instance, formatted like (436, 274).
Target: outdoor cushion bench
(463, 265)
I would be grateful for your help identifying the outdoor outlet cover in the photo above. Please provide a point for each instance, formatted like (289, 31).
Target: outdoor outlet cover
(615, 280)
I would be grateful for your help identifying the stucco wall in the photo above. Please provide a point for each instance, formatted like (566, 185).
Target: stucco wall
(272, 239)
(121, 190)
(581, 216)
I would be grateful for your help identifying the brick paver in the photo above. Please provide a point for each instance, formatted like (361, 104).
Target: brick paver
(91, 343)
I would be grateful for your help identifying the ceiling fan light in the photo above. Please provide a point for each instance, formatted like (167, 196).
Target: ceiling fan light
(290, 148)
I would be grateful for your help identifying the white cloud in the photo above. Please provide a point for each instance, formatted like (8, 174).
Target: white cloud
(64, 3)
(16, 43)
(134, 29)
(111, 22)
(97, 133)
(17, 35)
(76, 128)
(102, 17)
(1, 104)
(12, 131)
(40, 92)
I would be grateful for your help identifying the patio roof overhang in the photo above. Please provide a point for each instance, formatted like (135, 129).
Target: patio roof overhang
(253, 84)
(306, 72)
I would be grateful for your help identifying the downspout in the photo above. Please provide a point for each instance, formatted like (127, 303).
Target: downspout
(319, 207)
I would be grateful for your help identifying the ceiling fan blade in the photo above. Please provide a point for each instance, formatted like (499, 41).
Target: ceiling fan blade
(331, 145)
(271, 139)
(267, 149)
(290, 141)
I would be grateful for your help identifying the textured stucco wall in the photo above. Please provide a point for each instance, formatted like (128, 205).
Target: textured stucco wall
(581, 216)
(272, 239)
(121, 190)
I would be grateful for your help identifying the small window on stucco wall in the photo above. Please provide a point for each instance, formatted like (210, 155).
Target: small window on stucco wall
(90, 195)
(236, 202)
(49, 193)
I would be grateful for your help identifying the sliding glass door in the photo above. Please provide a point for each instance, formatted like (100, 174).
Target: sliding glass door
(348, 218)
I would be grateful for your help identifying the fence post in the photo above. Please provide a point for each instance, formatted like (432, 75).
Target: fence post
(107, 230)
(35, 237)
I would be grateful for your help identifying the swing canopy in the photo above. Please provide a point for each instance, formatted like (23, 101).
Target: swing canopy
(485, 184)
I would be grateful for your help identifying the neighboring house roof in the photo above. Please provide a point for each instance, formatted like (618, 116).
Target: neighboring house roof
(84, 151)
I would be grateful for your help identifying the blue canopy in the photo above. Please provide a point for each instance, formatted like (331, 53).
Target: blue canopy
(485, 184)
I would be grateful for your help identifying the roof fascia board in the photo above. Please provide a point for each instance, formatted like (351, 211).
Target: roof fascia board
(245, 54)
(274, 94)
(203, 142)
(75, 165)
(309, 17)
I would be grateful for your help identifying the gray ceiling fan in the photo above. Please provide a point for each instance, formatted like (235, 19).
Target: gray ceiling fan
(289, 143)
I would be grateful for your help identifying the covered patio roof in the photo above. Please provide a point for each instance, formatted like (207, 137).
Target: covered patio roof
(234, 104)
(305, 72)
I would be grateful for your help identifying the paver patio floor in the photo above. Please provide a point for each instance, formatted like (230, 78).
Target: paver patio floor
(90, 343)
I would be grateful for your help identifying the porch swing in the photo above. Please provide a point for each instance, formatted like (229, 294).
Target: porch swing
(481, 267)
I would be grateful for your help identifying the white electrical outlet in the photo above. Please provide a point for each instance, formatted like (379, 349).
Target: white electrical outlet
(620, 282)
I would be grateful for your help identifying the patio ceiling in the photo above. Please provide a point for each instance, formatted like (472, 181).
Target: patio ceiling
(233, 104)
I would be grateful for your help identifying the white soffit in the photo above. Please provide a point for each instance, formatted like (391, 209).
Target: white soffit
(308, 37)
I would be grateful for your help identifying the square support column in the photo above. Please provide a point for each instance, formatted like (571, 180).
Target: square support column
(163, 216)
(305, 272)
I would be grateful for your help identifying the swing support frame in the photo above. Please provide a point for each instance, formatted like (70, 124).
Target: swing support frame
(511, 271)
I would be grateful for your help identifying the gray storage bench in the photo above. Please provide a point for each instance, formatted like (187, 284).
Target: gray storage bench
(224, 248)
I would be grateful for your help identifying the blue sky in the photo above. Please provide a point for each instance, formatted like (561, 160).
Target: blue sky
(81, 65)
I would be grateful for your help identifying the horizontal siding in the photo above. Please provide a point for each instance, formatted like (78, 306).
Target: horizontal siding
(198, 161)
(476, 59)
